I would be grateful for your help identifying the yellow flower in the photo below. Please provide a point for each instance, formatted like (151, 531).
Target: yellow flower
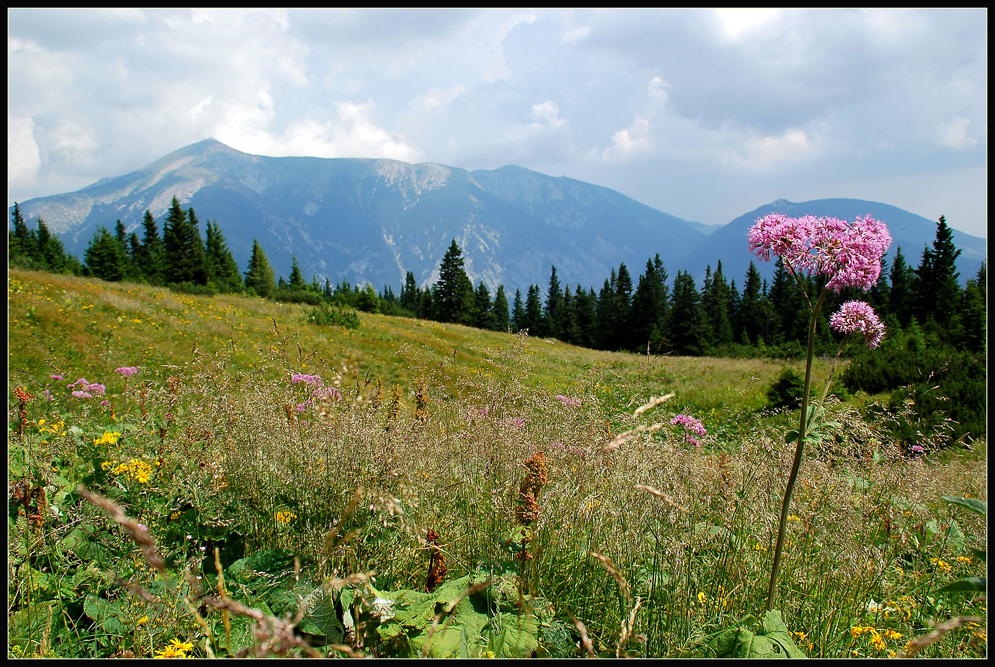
(285, 517)
(793, 518)
(891, 634)
(964, 559)
(942, 564)
(702, 598)
(175, 649)
(143, 619)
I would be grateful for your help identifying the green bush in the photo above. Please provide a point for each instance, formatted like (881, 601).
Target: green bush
(296, 296)
(786, 392)
(187, 287)
(326, 315)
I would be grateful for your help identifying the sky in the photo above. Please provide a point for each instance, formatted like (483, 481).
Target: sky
(704, 114)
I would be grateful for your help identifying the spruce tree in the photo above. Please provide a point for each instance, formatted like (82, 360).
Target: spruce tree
(534, 321)
(649, 305)
(20, 242)
(686, 325)
(222, 268)
(900, 295)
(151, 257)
(716, 304)
(200, 274)
(296, 278)
(105, 257)
(500, 320)
(482, 315)
(454, 299)
(518, 319)
(259, 274)
(553, 309)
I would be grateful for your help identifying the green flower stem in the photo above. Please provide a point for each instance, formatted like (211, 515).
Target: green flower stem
(799, 450)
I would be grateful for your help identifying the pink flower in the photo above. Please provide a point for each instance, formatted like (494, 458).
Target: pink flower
(55, 377)
(297, 378)
(857, 316)
(126, 371)
(568, 402)
(81, 394)
(689, 423)
(849, 254)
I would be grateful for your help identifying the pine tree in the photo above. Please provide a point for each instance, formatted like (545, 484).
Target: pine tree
(583, 307)
(454, 301)
(51, 254)
(686, 325)
(200, 274)
(296, 278)
(900, 295)
(553, 309)
(606, 334)
(622, 310)
(20, 243)
(649, 305)
(259, 275)
(500, 320)
(105, 257)
(151, 257)
(937, 289)
(715, 301)
(410, 294)
(222, 268)
(533, 313)
(482, 315)
(973, 312)
(518, 318)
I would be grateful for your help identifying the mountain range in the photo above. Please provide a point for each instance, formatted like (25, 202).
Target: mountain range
(373, 220)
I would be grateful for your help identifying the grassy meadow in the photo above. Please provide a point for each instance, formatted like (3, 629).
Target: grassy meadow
(265, 486)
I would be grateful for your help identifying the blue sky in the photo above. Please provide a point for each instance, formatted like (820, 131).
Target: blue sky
(703, 114)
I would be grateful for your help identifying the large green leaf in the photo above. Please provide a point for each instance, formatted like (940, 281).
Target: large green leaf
(967, 585)
(973, 504)
(770, 640)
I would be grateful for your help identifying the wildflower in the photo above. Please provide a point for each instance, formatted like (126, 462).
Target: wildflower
(793, 518)
(81, 394)
(690, 424)
(854, 316)
(175, 649)
(297, 378)
(142, 620)
(126, 371)
(55, 377)
(285, 517)
(942, 564)
(568, 402)
(964, 559)
(702, 598)
(437, 569)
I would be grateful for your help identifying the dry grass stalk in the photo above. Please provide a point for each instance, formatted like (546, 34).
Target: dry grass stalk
(584, 639)
(661, 495)
(652, 403)
(330, 543)
(627, 625)
(137, 531)
(275, 636)
(919, 643)
(621, 438)
(616, 575)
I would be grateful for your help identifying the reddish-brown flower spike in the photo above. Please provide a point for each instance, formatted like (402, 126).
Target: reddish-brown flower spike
(437, 563)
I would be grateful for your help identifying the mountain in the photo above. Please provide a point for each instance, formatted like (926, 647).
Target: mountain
(370, 220)
(910, 232)
(373, 220)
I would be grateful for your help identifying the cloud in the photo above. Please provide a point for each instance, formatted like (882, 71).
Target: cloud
(629, 142)
(954, 134)
(23, 158)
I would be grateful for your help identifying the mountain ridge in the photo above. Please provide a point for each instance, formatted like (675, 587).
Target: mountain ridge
(373, 219)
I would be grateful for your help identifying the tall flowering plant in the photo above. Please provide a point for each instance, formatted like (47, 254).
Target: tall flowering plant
(844, 254)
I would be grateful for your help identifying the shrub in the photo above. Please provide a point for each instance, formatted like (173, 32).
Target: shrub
(187, 287)
(786, 392)
(325, 315)
(296, 296)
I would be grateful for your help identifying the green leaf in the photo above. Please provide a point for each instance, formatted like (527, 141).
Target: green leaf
(968, 585)
(790, 436)
(973, 504)
(109, 616)
(770, 640)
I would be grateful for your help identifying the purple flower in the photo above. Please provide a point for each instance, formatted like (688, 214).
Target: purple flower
(81, 394)
(327, 394)
(517, 422)
(297, 378)
(689, 423)
(55, 377)
(857, 316)
(568, 402)
(849, 254)
(126, 371)
(95, 388)
(105, 403)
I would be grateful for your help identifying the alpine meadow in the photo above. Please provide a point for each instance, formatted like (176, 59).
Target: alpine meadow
(209, 460)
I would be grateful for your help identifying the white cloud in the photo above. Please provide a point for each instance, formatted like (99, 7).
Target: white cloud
(547, 113)
(765, 152)
(954, 134)
(436, 99)
(629, 142)
(23, 158)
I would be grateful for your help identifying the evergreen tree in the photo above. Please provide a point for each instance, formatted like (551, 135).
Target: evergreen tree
(937, 289)
(500, 320)
(750, 322)
(482, 315)
(222, 268)
(687, 325)
(533, 313)
(296, 278)
(19, 240)
(715, 301)
(622, 310)
(518, 318)
(105, 257)
(649, 305)
(606, 333)
(553, 311)
(790, 310)
(409, 294)
(200, 274)
(259, 275)
(900, 295)
(973, 315)
(51, 254)
(366, 298)
(150, 260)
(584, 306)
(177, 242)
(454, 299)
(569, 326)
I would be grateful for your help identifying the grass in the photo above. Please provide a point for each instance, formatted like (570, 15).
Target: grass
(650, 548)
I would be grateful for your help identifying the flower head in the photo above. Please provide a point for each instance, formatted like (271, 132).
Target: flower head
(854, 316)
(126, 371)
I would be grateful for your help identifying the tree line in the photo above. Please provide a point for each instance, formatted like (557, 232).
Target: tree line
(648, 313)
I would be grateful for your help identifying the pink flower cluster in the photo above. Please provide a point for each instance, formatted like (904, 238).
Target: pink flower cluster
(126, 371)
(83, 388)
(857, 316)
(568, 402)
(297, 378)
(690, 424)
(849, 254)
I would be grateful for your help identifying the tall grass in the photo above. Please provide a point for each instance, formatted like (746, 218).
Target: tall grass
(651, 546)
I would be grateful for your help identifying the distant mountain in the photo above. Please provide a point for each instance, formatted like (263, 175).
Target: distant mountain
(368, 220)
(373, 220)
(911, 232)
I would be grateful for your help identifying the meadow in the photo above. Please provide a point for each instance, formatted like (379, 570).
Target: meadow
(214, 476)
